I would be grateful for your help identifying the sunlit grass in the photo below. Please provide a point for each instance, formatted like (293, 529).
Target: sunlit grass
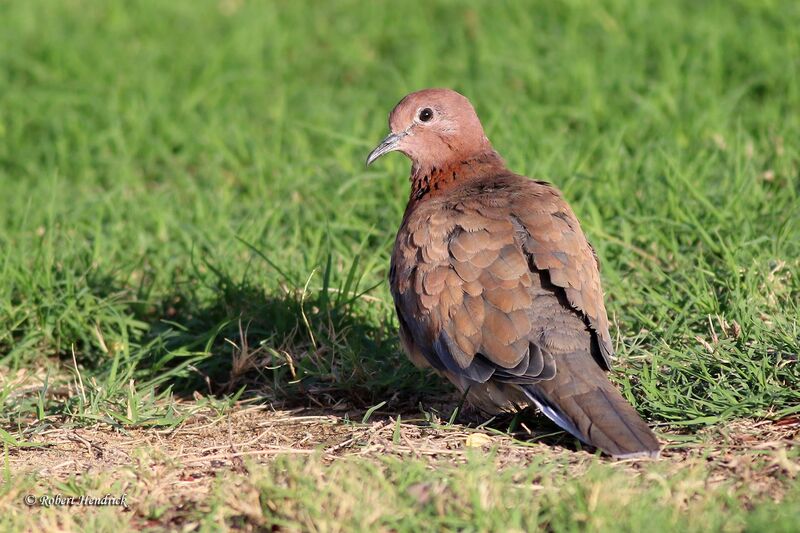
(183, 192)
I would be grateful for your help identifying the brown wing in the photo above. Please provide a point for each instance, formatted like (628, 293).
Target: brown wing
(481, 283)
(552, 236)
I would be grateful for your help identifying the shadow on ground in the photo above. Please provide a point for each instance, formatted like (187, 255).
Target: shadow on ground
(290, 347)
(329, 351)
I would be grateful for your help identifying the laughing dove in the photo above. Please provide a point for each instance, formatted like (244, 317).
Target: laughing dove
(495, 284)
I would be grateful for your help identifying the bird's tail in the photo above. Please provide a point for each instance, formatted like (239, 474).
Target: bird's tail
(582, 400)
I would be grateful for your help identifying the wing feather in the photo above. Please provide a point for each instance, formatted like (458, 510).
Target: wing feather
(482, 285)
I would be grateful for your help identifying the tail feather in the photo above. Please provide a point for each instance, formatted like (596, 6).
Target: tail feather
(582, 400)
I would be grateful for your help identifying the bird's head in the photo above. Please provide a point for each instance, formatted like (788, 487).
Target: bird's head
(433, 127)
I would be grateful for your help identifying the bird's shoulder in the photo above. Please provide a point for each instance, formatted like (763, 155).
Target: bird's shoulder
(494, 197)
(484, 214)
(497, 232)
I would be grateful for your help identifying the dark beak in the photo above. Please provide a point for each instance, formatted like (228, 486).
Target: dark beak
(387, 145)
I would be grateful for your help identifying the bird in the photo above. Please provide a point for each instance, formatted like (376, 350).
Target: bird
(495, 285)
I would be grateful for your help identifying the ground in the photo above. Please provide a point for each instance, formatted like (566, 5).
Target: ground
(252, 467)
(193, 305)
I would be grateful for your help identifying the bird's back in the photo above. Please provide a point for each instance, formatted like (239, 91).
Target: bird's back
(498, 289)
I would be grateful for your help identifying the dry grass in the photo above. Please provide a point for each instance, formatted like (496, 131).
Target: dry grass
(172, 476)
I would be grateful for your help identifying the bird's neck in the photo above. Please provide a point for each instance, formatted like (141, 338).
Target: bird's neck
(428, 180)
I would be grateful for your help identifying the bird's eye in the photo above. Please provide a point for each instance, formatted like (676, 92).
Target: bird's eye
(426, 114)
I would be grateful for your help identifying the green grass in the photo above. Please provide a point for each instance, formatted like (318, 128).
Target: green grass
(175, 174)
